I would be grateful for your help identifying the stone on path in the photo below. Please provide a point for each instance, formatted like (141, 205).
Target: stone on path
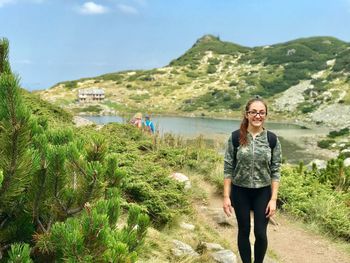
(187, 226)
(182, 249)
(224, 256)
(182, 178)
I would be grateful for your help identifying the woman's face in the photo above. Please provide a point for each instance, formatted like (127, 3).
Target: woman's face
(256, 114)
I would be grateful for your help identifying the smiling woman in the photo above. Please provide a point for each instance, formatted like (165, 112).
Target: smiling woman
(252, 173)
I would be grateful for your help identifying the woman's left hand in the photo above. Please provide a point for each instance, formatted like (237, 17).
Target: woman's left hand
(271, 208)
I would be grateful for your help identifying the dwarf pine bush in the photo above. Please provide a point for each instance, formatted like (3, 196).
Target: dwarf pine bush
(309, 196)
(59, 190)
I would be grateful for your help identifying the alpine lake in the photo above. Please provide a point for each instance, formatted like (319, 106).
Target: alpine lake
(217, 131)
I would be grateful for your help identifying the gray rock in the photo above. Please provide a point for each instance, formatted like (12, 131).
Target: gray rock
(347, 162)
(224, 256)
(182, 249)
(333, 115)
(211, 246)
(187, 226)
(291, 98)
(345, 151)
(221, 218)
(182, 178)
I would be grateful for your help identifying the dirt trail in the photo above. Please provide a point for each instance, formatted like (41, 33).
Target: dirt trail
(288, 241)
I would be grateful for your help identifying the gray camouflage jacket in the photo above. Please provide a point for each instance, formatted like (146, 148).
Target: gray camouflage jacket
(254, 167)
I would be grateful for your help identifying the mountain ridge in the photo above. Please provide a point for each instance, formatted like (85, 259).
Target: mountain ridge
(215, 78)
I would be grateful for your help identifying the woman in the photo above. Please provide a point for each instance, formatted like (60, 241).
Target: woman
(137, 120)
(252, 173)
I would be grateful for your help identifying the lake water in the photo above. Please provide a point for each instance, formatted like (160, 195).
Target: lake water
(219, 129)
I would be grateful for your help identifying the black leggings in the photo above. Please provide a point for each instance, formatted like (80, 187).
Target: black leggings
(243, 201)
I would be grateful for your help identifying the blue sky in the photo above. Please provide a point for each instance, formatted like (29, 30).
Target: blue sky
(59, 40)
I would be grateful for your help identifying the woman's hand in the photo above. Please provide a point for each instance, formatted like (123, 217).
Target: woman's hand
(228, 209)
(271, 208)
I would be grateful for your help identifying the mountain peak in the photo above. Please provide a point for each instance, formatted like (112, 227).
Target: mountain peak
(207, 38)
(208, 43)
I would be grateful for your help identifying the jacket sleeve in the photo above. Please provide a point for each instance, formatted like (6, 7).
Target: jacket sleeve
(228, 159)
(276, 162)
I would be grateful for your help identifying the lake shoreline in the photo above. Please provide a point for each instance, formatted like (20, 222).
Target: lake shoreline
(299, 143)
(128, 115)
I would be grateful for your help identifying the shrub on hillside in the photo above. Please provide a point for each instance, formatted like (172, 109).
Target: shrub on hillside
(192, 74)
(71, 84)
(112, 76)
(303, 195)
(235, 106)
(213, 61)
(211, 69)
(325, 144)
(233, 83)
(342, 62)
(341, 132)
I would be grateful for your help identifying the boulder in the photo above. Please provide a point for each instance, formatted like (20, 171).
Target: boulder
(211, 246)
(182, 249)
(221, 218)
(224, 256)
(347, 162)
(182, 178)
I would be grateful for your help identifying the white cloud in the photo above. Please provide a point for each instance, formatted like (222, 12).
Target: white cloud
(127, 9)
(6, 2)
(90, 8)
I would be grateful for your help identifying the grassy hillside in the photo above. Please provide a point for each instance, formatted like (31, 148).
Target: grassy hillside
(41, 108)
(215, 78)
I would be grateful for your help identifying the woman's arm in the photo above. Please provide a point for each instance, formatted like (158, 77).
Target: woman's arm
(271, 206)
(275, 178)
(227, 201)
(228, 172)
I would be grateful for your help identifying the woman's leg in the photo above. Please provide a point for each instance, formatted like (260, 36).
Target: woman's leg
(241, 202)
(261, 199)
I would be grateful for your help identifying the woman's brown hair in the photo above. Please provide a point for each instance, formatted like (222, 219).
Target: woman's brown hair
(243, 130)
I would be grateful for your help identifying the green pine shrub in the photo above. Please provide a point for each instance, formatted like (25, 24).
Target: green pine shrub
(50, 175)
(307, 195)
(325, 144)
(341, 132)
(19, 253)
(211, 69)
(71, 84)
(94, 236)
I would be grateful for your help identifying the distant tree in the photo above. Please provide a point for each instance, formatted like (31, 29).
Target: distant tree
(4, 60)
(211, 69)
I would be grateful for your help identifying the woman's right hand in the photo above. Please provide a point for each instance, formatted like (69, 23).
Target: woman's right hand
(228, 209)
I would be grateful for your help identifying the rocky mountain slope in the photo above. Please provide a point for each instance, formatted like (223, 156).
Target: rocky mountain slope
(305, 79)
